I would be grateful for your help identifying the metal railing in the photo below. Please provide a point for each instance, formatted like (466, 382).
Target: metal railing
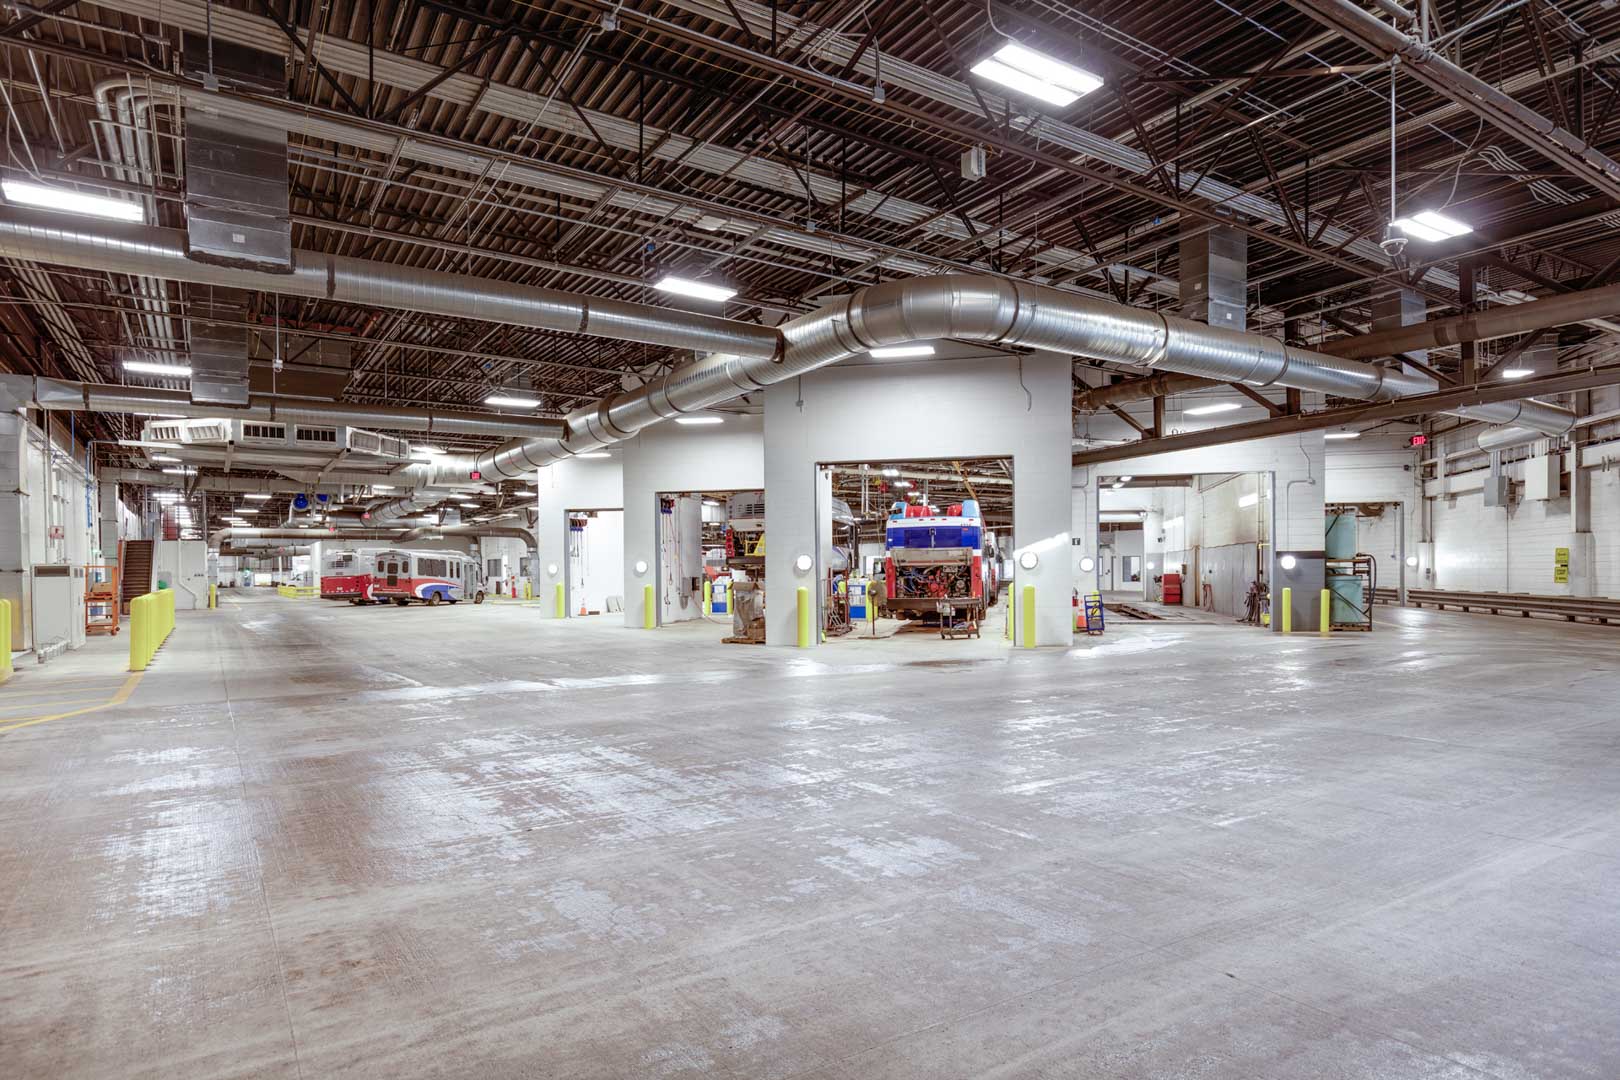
(1596, 609)
(151, 621)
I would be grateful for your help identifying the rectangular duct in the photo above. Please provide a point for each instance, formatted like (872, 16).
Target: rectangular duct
(1403, 307)
(237, 211)
(1215, 277)
(219, 349)
(310, 367)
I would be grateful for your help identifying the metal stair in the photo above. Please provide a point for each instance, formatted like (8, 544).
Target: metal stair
(134, 569)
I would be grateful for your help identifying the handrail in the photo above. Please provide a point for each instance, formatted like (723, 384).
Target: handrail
(151, 621)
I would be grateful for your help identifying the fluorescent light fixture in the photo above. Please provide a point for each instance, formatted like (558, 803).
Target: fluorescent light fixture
(1432, 226)
(53, 198)
(1517, 373)
(1037, 75)
(680, 286)
(167, 459)
(902, 483)
(1206, 410)
(691, 420)
(1250, 499)
(430, 451)
(1342, 435)
(506, 401)
(468, 506)
(180, 472)
(1118, 484)
(594, 454)
(711, 502)
(146, 367)
(891, 472)
(1126, 479)
(897, 352)
(259, 497)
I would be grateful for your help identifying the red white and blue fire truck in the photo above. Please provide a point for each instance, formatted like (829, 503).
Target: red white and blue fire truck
(939, 563)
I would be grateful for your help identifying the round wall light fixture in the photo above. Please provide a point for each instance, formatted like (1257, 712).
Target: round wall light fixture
(1411, 560)
(803, 564)
(641, 567)
(551, 569)
(1029, 560)
(1087, 565)
(1287, 562)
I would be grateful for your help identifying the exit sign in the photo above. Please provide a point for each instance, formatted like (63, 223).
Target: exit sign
(1420, 440)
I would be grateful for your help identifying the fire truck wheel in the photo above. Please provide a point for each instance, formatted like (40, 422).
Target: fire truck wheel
(433, 600)
(478, 598)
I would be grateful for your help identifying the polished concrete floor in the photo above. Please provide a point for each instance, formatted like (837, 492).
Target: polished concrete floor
(320, 841)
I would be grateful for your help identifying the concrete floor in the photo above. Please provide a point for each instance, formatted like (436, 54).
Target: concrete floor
(322, 841)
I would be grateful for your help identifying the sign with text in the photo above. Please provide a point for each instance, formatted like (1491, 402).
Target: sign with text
(1561, 566)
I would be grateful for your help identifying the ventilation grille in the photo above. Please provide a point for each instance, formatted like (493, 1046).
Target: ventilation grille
(324, 435)
(165, 432)
(264, 433)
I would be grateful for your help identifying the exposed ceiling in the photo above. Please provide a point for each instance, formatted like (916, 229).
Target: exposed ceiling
(675, 138)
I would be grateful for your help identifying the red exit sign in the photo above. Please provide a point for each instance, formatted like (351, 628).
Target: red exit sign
(1420, 440)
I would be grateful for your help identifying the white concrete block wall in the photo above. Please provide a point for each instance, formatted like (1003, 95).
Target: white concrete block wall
(671, 457)
(961, 403)
(577, 484)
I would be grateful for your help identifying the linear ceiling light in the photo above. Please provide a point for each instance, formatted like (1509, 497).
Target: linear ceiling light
(1342, 435)
(259, 497)
(896, 352)
(1431, 226)
(146, 367)
(1517, 373)
(1205, 410)
(73, 202)
(430, 451)
(506, 401)
(1037, 75)
(691, 420)
(594, 454)
(702, 290)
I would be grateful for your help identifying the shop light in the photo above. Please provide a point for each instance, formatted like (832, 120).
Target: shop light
(891, 472)
(468, 506)
(1517, 373)
(898, 352)
(146, 367)
(507, 401)
(73, 202)
(1206, 410)
(695, 420)
(430, 451)
(902, 483)
(1342, 435)
(259, 497)
(1431, 226)
(595, 454)
(1118, 484)
(1037, 75)
(180, 471)
(702, 290)
(1126, 479)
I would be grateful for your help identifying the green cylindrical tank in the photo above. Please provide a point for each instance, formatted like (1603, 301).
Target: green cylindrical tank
(1341, 536)
(1349, 598)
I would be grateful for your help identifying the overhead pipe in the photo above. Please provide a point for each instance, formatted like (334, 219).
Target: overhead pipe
(57, 394)
(117, 248)
(746, 357)
(1565, 149)
(1506, 320)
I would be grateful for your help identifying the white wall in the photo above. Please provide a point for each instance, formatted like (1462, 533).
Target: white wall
(1295, 466)
(596, 563)
(963, 403)
(672, 457)
(576, 484)
(43, 491)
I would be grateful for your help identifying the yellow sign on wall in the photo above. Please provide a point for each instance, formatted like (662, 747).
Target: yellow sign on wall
(1561, 566)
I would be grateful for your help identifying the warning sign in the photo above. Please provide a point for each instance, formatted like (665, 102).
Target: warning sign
(1561, 566)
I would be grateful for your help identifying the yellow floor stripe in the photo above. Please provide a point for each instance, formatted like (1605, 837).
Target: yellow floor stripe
(117, 699)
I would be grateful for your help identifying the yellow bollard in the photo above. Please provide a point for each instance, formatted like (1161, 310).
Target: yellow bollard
(137, 634)
(1011, 615)
(1029, 616)
(1288, 611)
(1327, 609)
(562, 603)
(708, 597)
(804, 617)
(649, 610)
(5, 640)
